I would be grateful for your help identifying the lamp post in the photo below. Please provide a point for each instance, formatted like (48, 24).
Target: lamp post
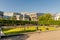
(37, 25)
(23, 16)
(1, 32)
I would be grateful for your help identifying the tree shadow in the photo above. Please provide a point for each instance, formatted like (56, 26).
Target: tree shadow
(15, 37)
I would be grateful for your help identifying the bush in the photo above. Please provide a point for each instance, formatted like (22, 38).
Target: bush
(15, 22)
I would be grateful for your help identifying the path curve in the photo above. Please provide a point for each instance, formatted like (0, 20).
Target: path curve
(51, 35)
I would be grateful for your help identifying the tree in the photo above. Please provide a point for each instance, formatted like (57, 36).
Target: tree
(45, 19)
(13, 18)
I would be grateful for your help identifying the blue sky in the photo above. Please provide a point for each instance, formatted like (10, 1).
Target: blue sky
(42, 6)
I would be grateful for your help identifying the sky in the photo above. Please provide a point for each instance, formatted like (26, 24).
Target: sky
(42, 6)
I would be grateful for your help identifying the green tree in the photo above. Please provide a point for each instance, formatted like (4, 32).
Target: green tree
(13, 18)
(45, 19)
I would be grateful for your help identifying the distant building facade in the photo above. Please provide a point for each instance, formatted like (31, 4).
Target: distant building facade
(19, 16)
(26, 16)
(8, 15)
(12, 15)
(57, 16)
(33, 16)
(1, 14)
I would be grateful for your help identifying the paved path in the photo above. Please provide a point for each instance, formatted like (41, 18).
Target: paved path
(15, 37)
(51, 35)
(2, 33)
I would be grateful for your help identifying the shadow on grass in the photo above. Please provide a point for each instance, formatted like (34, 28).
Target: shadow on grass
(15, 37)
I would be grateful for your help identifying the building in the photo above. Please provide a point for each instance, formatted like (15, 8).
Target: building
(57, 16)
(8, 15)
(33, 16)
(29, 16)
(19, 16)
(26, 16)
(1, 14)
(12, 16)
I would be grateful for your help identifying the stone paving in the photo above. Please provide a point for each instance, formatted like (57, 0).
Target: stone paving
(15, 37)
(51, 35)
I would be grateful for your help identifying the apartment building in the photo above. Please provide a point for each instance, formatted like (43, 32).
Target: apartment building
(12, 15)
(33, 16)
(19, 16)
(8, 15)
(57, 16)
(29, 16)
(26, 16)
(1, 14)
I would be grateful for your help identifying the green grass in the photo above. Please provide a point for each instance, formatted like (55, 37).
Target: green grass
(6, 29)
(18, 32)
(51, 28)
(42, 28)
(11, 31)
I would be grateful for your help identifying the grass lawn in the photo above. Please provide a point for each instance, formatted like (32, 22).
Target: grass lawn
(9, 31)
(51, 28)
(45, 28)
(18, 30)
(42, 28)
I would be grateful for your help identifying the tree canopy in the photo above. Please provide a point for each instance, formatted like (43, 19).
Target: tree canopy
(45, 19)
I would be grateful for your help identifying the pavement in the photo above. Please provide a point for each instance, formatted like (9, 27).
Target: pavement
(49, 35)
(15, 37)
(1, 33)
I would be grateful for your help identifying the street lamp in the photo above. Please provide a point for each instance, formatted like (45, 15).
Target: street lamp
(23, 16)
(37, 24)
(1, 32)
